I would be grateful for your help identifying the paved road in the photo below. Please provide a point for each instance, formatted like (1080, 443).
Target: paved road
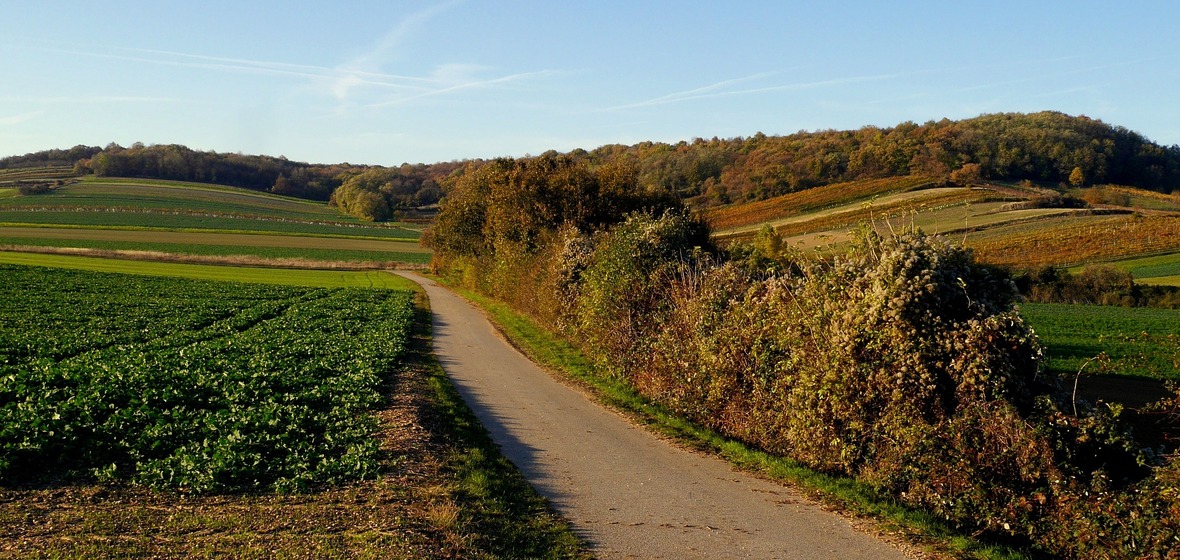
(628, 493)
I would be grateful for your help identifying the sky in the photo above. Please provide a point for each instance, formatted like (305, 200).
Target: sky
(388, 82)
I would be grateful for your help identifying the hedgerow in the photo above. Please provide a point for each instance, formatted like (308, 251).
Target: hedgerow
(902, 363)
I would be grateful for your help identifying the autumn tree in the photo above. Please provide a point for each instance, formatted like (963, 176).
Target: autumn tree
(969, 174)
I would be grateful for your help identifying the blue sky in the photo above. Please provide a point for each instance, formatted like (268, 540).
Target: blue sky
(387, 82)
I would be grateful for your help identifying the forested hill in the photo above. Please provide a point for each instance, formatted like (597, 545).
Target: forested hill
(1044, 146)
(1047, 147)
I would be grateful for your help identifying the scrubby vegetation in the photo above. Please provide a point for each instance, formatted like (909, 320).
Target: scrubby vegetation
(900, 362)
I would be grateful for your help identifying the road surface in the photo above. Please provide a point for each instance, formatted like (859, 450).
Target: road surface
(627, 492)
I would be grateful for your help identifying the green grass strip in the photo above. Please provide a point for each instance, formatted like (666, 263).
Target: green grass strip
(843, 492)
(249, 275)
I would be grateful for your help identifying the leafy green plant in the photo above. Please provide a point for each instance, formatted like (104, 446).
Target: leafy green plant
(164, 382)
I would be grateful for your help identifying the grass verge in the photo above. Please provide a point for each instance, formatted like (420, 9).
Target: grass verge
(892, 517)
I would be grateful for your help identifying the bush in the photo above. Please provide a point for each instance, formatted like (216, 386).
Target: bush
(34, 188)
(625, 281)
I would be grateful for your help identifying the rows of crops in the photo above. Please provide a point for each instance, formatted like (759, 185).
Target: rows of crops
(203, 386)
(1078, 239)
(35, 173)
(136, 195)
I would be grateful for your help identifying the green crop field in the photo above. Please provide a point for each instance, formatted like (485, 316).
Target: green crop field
(191, 384)
(248, 239)
(360, 258)
(328, 249)
(1141, 342)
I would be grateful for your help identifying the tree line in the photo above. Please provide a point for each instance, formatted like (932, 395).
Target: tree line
(1050, 148)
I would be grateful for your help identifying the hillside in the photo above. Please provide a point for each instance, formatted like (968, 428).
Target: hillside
(1019, 226)
(154, 219)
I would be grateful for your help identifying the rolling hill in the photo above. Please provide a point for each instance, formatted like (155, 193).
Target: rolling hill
(49, 210)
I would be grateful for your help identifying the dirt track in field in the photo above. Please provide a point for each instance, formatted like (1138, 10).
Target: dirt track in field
(627, 492)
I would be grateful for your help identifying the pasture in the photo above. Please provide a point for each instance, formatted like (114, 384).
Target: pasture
(196, 222)
(1157, 269)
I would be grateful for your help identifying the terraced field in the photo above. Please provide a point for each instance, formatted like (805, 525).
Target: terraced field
(245, 274)
(743, 218)
(1078, 239)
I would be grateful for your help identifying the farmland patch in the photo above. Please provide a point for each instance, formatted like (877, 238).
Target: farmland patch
(1141, 342)
(194, 385)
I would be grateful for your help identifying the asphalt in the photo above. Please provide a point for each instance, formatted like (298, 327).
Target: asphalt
(628, 493)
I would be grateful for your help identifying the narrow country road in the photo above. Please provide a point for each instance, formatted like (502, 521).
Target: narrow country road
(628, 493)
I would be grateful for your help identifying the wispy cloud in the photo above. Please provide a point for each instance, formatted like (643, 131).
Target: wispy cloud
(724, 89)
(243, 66)
(460, 85)
(362, 81)
(85, 99)
(17, 119)
(362, 69)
